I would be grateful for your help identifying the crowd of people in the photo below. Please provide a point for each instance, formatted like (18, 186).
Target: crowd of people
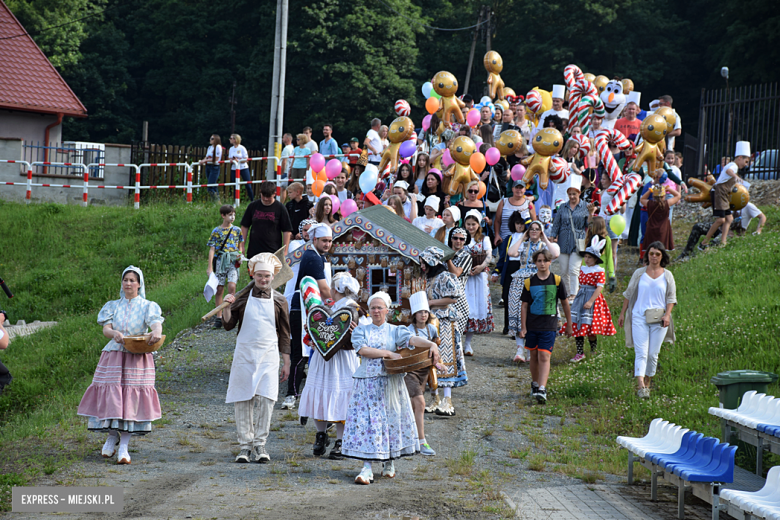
(552, 251)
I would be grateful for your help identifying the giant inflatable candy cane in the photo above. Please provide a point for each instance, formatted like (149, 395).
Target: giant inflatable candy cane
(603, 139)
(584, 99)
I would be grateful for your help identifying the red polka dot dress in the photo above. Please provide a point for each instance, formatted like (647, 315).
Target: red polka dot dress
(597, 320)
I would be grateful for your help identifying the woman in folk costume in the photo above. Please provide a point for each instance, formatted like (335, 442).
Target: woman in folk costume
(122, 399)
(590, 314)
(254, 385)
(477, 289)
(443, 291)
(325, 398)
(380, 422)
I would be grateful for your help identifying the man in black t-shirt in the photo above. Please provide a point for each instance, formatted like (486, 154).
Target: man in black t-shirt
(269, 222)
(298, 206)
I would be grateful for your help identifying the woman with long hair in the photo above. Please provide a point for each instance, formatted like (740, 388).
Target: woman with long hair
(301, 162)
(421, 167)
(507, 266)
(394, 203)
(213, 156)
(405, 173)
(323, 211)
(432, 186)
(477, 289)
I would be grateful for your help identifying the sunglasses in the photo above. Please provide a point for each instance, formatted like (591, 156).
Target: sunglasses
(654, 254)
(459, 239)
(473, 191)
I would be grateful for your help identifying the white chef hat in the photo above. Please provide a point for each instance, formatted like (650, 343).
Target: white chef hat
(433, 201)
(401, 184)
(634, 97)
(419, 302)
(559, 91)
(573, 182)
(265, 262)
(320, 230)
(743, 148)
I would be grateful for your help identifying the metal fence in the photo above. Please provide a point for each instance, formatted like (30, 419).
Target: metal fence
(750, 113)
(68, 152)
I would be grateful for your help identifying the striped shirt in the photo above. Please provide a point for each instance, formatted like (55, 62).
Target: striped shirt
(562, 228)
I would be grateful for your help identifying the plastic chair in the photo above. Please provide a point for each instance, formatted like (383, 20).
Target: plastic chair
(771, 489)
(772, 422)
(743, 406)
(701, 456)
(760, 415)
(749, 403)
(721, 469)
(667, 444)
(655, 425)
(687, 448)
(656, 440)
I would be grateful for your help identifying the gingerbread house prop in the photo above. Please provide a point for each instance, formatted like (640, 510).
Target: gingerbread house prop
(382, 251)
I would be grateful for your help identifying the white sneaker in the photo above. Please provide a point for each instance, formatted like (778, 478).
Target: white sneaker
(289, 403)
(519, 355)
(365, 477)
(123, 457)
(388, 469)
(109, 448)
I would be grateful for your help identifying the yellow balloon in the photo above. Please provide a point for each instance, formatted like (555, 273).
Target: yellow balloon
(601, 83)
(669, 115)
(509, 142)
(503, 103)
(494, 65)
(509, 92)
(446, 85)
(590, 77)
(628, 86)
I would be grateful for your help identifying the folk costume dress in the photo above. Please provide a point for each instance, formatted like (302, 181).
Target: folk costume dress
(527, 270)
(329, 383)
(478, 293)
(446, 285)
(594, 321)
(380, 422)
(462, 259)
(122, 395)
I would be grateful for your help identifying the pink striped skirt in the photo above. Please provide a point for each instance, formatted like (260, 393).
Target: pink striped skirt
(122, 394)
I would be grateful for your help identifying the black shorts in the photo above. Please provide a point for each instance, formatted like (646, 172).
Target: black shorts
(721, 213)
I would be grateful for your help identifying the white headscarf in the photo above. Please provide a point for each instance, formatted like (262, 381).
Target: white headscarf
(320, 230)
(476, 214)
(382, 295)
(433, 201)
(141, 289)
(344, 283)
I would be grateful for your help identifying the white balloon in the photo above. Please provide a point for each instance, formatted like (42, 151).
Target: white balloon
(485, 100)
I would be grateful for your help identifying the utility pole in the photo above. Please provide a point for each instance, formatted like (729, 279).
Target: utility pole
(233, 102)
(276, 120)
(489, 29)
(473, 47)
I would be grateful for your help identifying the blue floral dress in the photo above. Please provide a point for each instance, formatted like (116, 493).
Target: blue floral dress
(380, 422)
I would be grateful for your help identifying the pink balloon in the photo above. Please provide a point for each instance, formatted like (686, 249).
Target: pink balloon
(426, 122)
(446, 158)
(472, 118)
(348, 207)
(336, 203)
(492, 156)
(332, 169)
(317, 162)
(518, 170)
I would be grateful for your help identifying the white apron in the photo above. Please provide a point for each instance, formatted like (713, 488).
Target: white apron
(256, 358)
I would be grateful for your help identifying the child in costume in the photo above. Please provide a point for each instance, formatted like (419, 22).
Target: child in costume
(590, 314)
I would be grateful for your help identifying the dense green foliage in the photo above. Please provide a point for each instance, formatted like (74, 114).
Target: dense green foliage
(174, 63)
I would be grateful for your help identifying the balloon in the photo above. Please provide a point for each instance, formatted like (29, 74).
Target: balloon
(485, 100)
(368, 179)
(477, 162)
(407, 149)
(601, 82)
(317, 162)
(492, 156)
(518, 170)
(482, 190)
(402, 107)
(348, 207)
(321, 176)
(317, 188)
(335, 204)
(427, 88)
(554, 249)
(435, 94)
(446, 158)
(590, 77)
(426, 122)
(617, 224)
(432, 105)
(628, 85)
(333, 168)
(472, 118)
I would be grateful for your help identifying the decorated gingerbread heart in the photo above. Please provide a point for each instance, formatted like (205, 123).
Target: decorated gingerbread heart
(329, 329)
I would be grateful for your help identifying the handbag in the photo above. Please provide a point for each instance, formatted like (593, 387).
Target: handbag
(494, 190)
(579, 241)
(653, 316)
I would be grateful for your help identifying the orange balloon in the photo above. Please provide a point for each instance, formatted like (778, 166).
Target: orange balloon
(432, 105)
(317, 187)
(477, 162)
(321, 176)
(482, 190)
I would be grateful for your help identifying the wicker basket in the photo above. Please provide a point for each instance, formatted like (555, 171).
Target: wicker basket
(140, 344)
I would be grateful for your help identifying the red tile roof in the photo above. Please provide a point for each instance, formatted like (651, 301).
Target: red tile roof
(28, 81)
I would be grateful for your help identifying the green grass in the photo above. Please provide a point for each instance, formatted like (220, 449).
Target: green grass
(727, 318)
(63, 263)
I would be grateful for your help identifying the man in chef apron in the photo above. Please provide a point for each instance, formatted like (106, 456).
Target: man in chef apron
(253, 386)
(314, 264)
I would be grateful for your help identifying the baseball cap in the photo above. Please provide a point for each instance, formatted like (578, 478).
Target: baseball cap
(354, 140)
(345, 145)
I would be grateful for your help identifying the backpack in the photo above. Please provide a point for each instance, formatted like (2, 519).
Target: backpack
(527, 282)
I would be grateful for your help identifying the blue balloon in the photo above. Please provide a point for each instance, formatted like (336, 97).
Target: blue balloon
(368, 179)
(406, 149)
(426, 89)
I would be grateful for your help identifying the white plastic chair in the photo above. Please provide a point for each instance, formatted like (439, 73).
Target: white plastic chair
(749, 403)
(672, 444)
(746, 397)
(759, 415)
(655, 425)
(751, 500)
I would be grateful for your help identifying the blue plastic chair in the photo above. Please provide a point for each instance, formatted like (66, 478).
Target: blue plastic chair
(701, 457)
(724, 472)
(687, 446)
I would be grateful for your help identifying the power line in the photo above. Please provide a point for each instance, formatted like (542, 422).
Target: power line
(49, 28)
(429, 26)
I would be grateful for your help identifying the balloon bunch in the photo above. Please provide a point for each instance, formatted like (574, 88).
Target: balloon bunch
(584, 99)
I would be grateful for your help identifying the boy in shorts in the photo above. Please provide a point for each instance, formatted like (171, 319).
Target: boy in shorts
(226, 246)
(539, 319)
(721, 206)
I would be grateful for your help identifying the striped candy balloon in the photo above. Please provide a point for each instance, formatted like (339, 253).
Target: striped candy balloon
(533, 100)
(402, 108)
(310, 292)
(630, 184)
(584, 143)
(559, 170)
(604, 139)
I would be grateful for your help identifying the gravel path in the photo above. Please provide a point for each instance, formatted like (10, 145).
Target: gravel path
(185, 468)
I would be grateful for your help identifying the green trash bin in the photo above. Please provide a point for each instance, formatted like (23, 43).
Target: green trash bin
(733, 384)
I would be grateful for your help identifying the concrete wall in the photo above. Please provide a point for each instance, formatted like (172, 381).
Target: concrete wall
(11, 149)
(29, 126)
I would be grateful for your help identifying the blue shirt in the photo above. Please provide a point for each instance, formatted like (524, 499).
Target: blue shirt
(329, 147)
(300, 151)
